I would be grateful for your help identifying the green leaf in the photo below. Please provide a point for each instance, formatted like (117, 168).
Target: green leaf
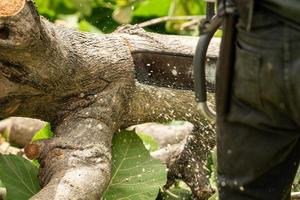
(182, 8)
(19, 177)
(135, 175)
(87, 27)
(150, 8)
(44, 7)
(149, 142)
(44, 133)
(122, 3)
(69, 4)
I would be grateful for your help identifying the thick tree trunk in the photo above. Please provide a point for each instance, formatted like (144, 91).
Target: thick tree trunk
(84, 84)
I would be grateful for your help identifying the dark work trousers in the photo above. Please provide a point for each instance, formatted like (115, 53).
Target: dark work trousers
(258, 143)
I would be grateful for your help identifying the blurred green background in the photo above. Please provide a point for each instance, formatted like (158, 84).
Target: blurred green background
(103, 16)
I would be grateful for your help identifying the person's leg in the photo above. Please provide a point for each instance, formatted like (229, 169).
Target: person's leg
(254, 164)
(258, 141)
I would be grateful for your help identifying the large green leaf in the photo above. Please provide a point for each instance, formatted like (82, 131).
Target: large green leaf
(19, 177)
(135, 175)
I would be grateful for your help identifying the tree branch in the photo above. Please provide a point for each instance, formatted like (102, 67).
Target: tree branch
(81, 82)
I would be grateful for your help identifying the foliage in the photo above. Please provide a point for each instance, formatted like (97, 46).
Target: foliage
(19, 177)
(44, 133)
(184, 8)
(105, 15)
(149, 8)
(135, 175)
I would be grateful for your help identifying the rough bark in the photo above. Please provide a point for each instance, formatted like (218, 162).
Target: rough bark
(84, 84)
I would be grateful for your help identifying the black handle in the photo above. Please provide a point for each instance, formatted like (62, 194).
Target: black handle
(200, 60)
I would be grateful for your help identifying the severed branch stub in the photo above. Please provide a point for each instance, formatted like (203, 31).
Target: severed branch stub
(85, 85)
(11, 7)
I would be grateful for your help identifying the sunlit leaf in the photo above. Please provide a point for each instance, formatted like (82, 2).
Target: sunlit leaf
(122, 2)
(44, 133)
(19, 177)
(150, 8)
(87, 27)
(44, 7)
(135, 175)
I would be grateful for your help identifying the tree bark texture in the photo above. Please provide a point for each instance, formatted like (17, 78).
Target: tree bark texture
(86, 86)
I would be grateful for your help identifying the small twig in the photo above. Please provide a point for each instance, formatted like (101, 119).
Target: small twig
(295, 195)
(189, 25)
(169, 18)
